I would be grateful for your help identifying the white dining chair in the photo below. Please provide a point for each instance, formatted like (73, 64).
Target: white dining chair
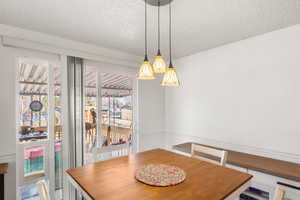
(43, 190)
(111, 151)
(211, 152)
(279, 194)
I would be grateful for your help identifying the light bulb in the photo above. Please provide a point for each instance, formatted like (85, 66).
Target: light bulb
(146, 71)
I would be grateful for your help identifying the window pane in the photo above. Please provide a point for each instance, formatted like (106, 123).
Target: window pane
(34, 162)
(34, 191)
(90, 114)
(33, 104)
(116, 109)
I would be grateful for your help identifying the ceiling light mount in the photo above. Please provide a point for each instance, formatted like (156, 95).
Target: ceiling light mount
(156, 2)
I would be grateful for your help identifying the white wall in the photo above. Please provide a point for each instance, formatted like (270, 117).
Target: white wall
(7, 103)
(244, 96)
(7, 119)
(151, 114)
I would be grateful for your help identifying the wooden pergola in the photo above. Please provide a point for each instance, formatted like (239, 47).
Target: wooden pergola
(33, 80)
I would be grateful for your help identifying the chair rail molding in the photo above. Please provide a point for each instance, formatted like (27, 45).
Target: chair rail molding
(173, 138)
(151, 132)
(7, 158)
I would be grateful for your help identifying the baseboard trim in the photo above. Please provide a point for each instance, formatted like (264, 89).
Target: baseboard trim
(173, 138)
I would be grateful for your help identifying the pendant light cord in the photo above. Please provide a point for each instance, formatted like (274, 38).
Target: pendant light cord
(158, 22)
(146, 49)
(170, 39)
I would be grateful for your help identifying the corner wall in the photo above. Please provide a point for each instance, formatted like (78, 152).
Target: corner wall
(243, 96)
(151, 114)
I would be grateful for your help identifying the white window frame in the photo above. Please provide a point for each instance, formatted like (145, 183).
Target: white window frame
(52, 61)
(118, 70)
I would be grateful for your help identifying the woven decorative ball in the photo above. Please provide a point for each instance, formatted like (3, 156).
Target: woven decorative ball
(160, 175)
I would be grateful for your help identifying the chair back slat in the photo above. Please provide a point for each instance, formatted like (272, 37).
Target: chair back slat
(43, 191)
(109, 152)
(279, 194)
(209, 151)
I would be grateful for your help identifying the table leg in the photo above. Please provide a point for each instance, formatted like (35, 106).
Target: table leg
(235, 195)
(78, 187)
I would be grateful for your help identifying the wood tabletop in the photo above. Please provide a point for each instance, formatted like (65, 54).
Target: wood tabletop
(3, 168)
(114, 179)
(266, 165)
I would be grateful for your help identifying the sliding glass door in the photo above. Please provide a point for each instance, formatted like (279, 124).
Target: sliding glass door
(91, 117)
(117, 109)
(106, 99)
(39, 129)
(109, 109)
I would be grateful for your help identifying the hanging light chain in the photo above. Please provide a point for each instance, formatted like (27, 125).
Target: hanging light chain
(146, 70)
(146, 49)
(170, 39)
(158, 22)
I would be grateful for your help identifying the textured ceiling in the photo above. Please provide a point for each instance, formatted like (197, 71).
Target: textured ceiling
(118, 24)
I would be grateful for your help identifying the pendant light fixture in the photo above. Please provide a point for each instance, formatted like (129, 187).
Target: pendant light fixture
(146, 70)
(170, 77)
(159, 64)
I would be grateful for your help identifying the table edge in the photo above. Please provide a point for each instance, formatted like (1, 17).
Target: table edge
(78, 187)
(3, 168)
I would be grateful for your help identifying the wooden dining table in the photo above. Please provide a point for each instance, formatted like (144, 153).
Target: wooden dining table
(115, 179)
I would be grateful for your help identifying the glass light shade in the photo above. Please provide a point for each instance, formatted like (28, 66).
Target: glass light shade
(159, 64)
(170, 78)
(146, 71)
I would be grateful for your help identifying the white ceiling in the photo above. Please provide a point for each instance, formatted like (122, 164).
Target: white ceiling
(119, 24)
